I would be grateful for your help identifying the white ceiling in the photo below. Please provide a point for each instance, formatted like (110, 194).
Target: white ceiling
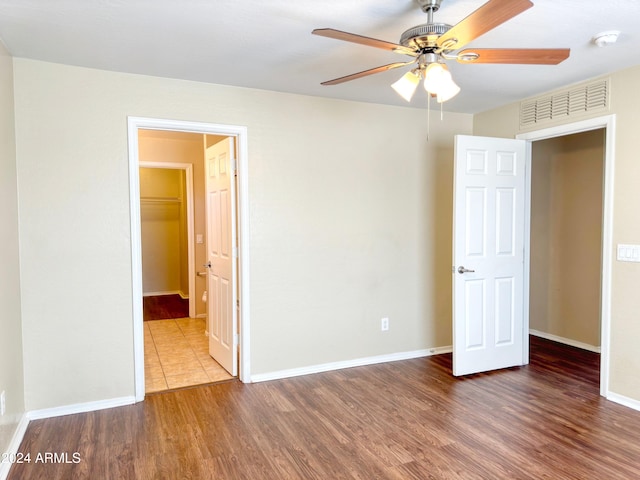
(267, 44)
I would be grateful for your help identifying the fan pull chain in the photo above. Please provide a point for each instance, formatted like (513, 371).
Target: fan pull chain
(428, 115)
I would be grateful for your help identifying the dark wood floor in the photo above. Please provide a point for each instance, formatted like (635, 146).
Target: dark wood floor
(401, 420)
(163, 307)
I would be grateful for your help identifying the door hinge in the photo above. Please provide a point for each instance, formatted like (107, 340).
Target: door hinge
(235, 252)
(234, 165)
(235, 339)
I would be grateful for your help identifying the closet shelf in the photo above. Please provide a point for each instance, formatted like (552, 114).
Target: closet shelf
(160, 200)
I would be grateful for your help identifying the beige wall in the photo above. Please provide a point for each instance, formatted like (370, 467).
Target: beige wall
(350, 221)
(188, 148)
(11, 364)
(625, 329)
(566, 231)
(163, 223)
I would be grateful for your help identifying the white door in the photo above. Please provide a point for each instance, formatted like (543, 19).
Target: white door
(221, 250)
(488, 254)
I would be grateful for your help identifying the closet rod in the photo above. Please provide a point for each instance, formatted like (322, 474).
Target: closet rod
(160, 200)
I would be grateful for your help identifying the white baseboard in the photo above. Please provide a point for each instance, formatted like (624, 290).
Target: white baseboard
(358, 362)
(184, 296)
(14, 445)
(622, 400)
(157, 294)
(566, 341)
(21, 428)
(80, 408)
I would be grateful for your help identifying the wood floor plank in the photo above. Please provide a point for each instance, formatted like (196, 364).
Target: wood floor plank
(160, 307)
(402, 420)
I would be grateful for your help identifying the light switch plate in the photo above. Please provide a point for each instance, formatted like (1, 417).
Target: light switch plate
(628, 253)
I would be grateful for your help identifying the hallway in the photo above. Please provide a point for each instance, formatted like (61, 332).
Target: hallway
(176, 354)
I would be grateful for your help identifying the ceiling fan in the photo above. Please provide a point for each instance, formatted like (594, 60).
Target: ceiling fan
(430, 44)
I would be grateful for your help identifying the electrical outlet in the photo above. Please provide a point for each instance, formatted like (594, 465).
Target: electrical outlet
(384, 324)
(2, 403)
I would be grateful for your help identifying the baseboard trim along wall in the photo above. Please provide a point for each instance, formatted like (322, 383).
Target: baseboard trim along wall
(172, 292)
(622, 400)
(80, 408)
(358, 362)
(21, 429)
(566, 341)
(14, 445)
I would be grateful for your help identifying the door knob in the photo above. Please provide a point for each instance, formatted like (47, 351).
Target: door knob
(461, 269)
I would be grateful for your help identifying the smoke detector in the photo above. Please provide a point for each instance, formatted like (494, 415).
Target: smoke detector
(604, 39)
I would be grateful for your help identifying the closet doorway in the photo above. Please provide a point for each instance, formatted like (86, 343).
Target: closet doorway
(166, 226)
(590, 224)
(567, 179)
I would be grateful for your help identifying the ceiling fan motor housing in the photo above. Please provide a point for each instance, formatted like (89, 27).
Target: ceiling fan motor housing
(423, 36)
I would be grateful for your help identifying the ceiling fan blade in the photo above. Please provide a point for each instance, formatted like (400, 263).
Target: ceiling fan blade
(534, 56)
(367, 41)
(354, 76)
(485, 18)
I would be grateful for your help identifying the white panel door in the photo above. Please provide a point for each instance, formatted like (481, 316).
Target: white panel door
(488, 254)
(221, 241)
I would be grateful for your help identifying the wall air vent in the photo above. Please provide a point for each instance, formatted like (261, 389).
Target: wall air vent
(576, 101)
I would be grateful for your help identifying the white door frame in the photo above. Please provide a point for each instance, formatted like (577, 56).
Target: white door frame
(240, 133)
(607, 122)
(188, 172)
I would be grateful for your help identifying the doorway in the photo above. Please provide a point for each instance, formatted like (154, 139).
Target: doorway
(606, 124)
(167, 231)
(176, 350)
(202, 130)
(566, 238)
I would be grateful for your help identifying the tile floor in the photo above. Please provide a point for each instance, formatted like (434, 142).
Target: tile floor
(176, 354)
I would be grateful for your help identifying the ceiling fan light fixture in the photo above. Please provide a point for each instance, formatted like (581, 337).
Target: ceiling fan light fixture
(449, 91)
(406, 85)
(438, 82)
(435, 76)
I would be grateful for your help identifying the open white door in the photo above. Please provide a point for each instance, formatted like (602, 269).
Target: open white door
(221, 242)
(488, 254)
